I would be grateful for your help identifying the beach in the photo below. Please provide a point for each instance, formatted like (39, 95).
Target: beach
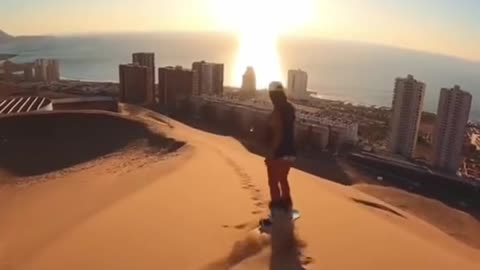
(164, 195)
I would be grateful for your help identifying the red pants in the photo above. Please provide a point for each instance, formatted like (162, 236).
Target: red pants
(277, 170)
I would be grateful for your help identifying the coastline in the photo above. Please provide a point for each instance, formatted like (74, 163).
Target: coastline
(6, 56)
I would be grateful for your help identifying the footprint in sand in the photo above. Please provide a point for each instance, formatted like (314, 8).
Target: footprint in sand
(241, 226)
(307, 261)
(244, 175)
(246, 186)
(260, 204)
(256, 198)
(246, 183)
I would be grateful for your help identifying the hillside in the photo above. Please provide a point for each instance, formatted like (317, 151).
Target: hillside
(4, 36)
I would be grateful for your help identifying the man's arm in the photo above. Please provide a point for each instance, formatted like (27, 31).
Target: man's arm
(277, 136)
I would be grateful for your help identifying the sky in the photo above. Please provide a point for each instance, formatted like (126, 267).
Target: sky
(450, 27)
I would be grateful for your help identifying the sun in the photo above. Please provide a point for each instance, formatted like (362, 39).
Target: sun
(258, 24)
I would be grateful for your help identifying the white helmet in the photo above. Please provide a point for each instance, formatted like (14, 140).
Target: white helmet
(275, 86)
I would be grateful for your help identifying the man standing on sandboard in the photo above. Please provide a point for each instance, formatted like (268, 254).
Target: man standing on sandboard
(281, 155)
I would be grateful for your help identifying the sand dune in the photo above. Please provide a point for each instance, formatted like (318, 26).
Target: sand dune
(39, 143)
(197, 208)
(455, 223)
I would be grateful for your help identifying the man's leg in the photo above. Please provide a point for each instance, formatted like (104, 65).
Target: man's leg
(283, 179)
(273, 181)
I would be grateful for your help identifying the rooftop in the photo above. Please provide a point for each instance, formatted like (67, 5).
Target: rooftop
(82, 99)
(304, 113)
(23, 104)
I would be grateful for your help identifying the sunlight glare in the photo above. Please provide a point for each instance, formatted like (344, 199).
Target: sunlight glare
(258, 24)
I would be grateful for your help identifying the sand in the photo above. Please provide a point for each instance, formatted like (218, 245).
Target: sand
(459, 225)
(196, 207)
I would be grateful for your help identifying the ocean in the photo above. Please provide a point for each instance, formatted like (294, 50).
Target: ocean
(355, 72)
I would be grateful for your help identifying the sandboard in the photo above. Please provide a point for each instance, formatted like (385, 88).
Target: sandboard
(295, 214)
(266, 224)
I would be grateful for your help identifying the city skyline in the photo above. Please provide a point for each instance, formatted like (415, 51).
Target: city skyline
(444, 27)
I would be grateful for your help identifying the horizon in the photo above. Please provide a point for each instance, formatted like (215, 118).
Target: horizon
(280, 38)
(446, 28)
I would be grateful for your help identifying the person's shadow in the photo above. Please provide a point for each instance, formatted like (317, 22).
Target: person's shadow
(285, 247)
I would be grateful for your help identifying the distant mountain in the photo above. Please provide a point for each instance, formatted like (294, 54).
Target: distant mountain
(5, 37)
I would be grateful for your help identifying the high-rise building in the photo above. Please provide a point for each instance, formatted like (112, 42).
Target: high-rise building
(175, 87)
(249, 81)
(208, 78)
(218, 79)
(135, 84)
(449, 137)
(8, 70)
(407, 107)
(47, 70)
(147, 60)
(297, 84)
(41, 69)
(53, 70)
(28, 73)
